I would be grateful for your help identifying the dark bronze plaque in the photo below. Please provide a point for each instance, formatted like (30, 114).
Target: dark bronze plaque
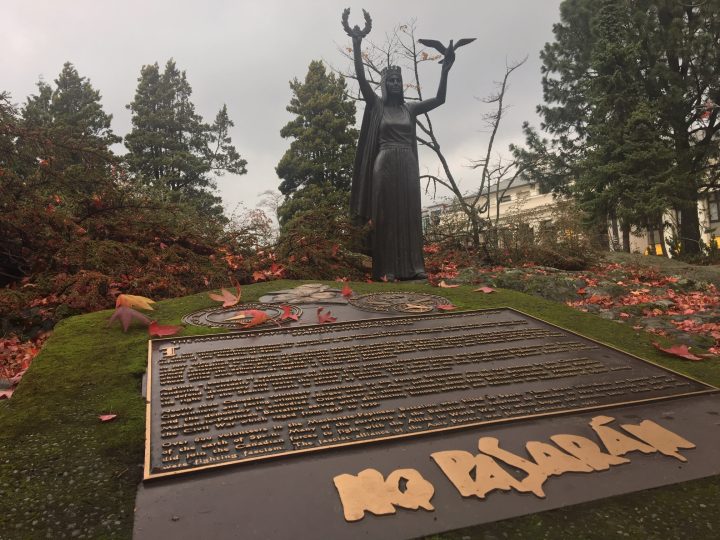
(229, 398)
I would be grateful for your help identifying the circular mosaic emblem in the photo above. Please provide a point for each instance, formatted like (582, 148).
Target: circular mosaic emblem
(219, 317)
(398, 302)
(309, 293)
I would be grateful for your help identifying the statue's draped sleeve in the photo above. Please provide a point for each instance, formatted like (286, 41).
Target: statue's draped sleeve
(361, 191)
(367, 149)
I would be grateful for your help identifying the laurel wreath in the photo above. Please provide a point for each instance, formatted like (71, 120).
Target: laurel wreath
(356, 32)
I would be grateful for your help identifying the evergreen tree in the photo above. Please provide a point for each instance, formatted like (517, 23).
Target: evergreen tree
(324, 139)
(616, 66)
(74, 105)
(71, 115)
(171, 147)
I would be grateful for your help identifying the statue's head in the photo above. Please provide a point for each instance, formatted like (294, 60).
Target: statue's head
(392, 84)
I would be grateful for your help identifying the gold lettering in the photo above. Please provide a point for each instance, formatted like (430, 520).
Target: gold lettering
(553, 461)
(535, 475)
(169, 351)
(458, 466)
(665, 441)
(615, 442)
(587, 451)
(368, 491)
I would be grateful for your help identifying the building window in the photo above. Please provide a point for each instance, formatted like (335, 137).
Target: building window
(714, 207)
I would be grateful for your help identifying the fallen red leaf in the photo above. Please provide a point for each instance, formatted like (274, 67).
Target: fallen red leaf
(325, 317)
(446, 307)
(256, 316)
(446, 286)
(226, 297)
(126, 315)
(581, 290)
(7, 393)
(287, 313)
(107, 417)
(486, 290)
(384, 278)
(160, 330)
(680, 351)
(347, 291)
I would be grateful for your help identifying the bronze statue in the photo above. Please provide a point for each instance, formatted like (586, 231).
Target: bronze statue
(386, 179)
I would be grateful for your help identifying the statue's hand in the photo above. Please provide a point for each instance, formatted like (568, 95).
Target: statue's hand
(356, 32)
(448, 61)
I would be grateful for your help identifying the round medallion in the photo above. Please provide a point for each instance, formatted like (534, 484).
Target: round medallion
(398, 302)
(217, 317)
(308, 293)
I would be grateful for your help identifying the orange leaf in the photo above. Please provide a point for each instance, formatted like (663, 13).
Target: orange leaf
(159, 330)
(107, 417)
(226, 297)
(486, 290)
(347, 291)
(256, 316)
(446, 286)
(581, 290)
(680, 351)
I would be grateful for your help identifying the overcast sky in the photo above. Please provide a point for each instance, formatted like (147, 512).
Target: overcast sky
(243, 53)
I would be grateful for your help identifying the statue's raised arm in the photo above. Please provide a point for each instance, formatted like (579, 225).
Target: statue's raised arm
(448, 60)
(357, 36)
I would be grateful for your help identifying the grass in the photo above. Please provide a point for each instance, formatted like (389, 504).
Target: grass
(63, 473)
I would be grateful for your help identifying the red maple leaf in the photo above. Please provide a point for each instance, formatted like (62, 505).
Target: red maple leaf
(258, 276)
(347, 291)
(6, 393)
(486, 290)
(681, 351)
(256, 318)
(288, 314)
(159, 330)
(325, 317)
(226, 297)
(445, 307)
(581, 290)
(107, 417)
(126, 315)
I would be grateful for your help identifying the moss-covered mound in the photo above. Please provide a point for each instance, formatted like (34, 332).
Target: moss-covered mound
(63, 473)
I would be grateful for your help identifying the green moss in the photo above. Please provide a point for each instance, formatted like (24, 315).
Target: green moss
(62, 471)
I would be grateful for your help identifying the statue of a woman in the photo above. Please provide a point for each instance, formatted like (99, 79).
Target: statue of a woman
(386, 179)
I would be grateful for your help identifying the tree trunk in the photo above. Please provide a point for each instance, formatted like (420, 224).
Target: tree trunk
(661, 228)
(651, 239)
(690, 228)
(615, 232)
(625, 237)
